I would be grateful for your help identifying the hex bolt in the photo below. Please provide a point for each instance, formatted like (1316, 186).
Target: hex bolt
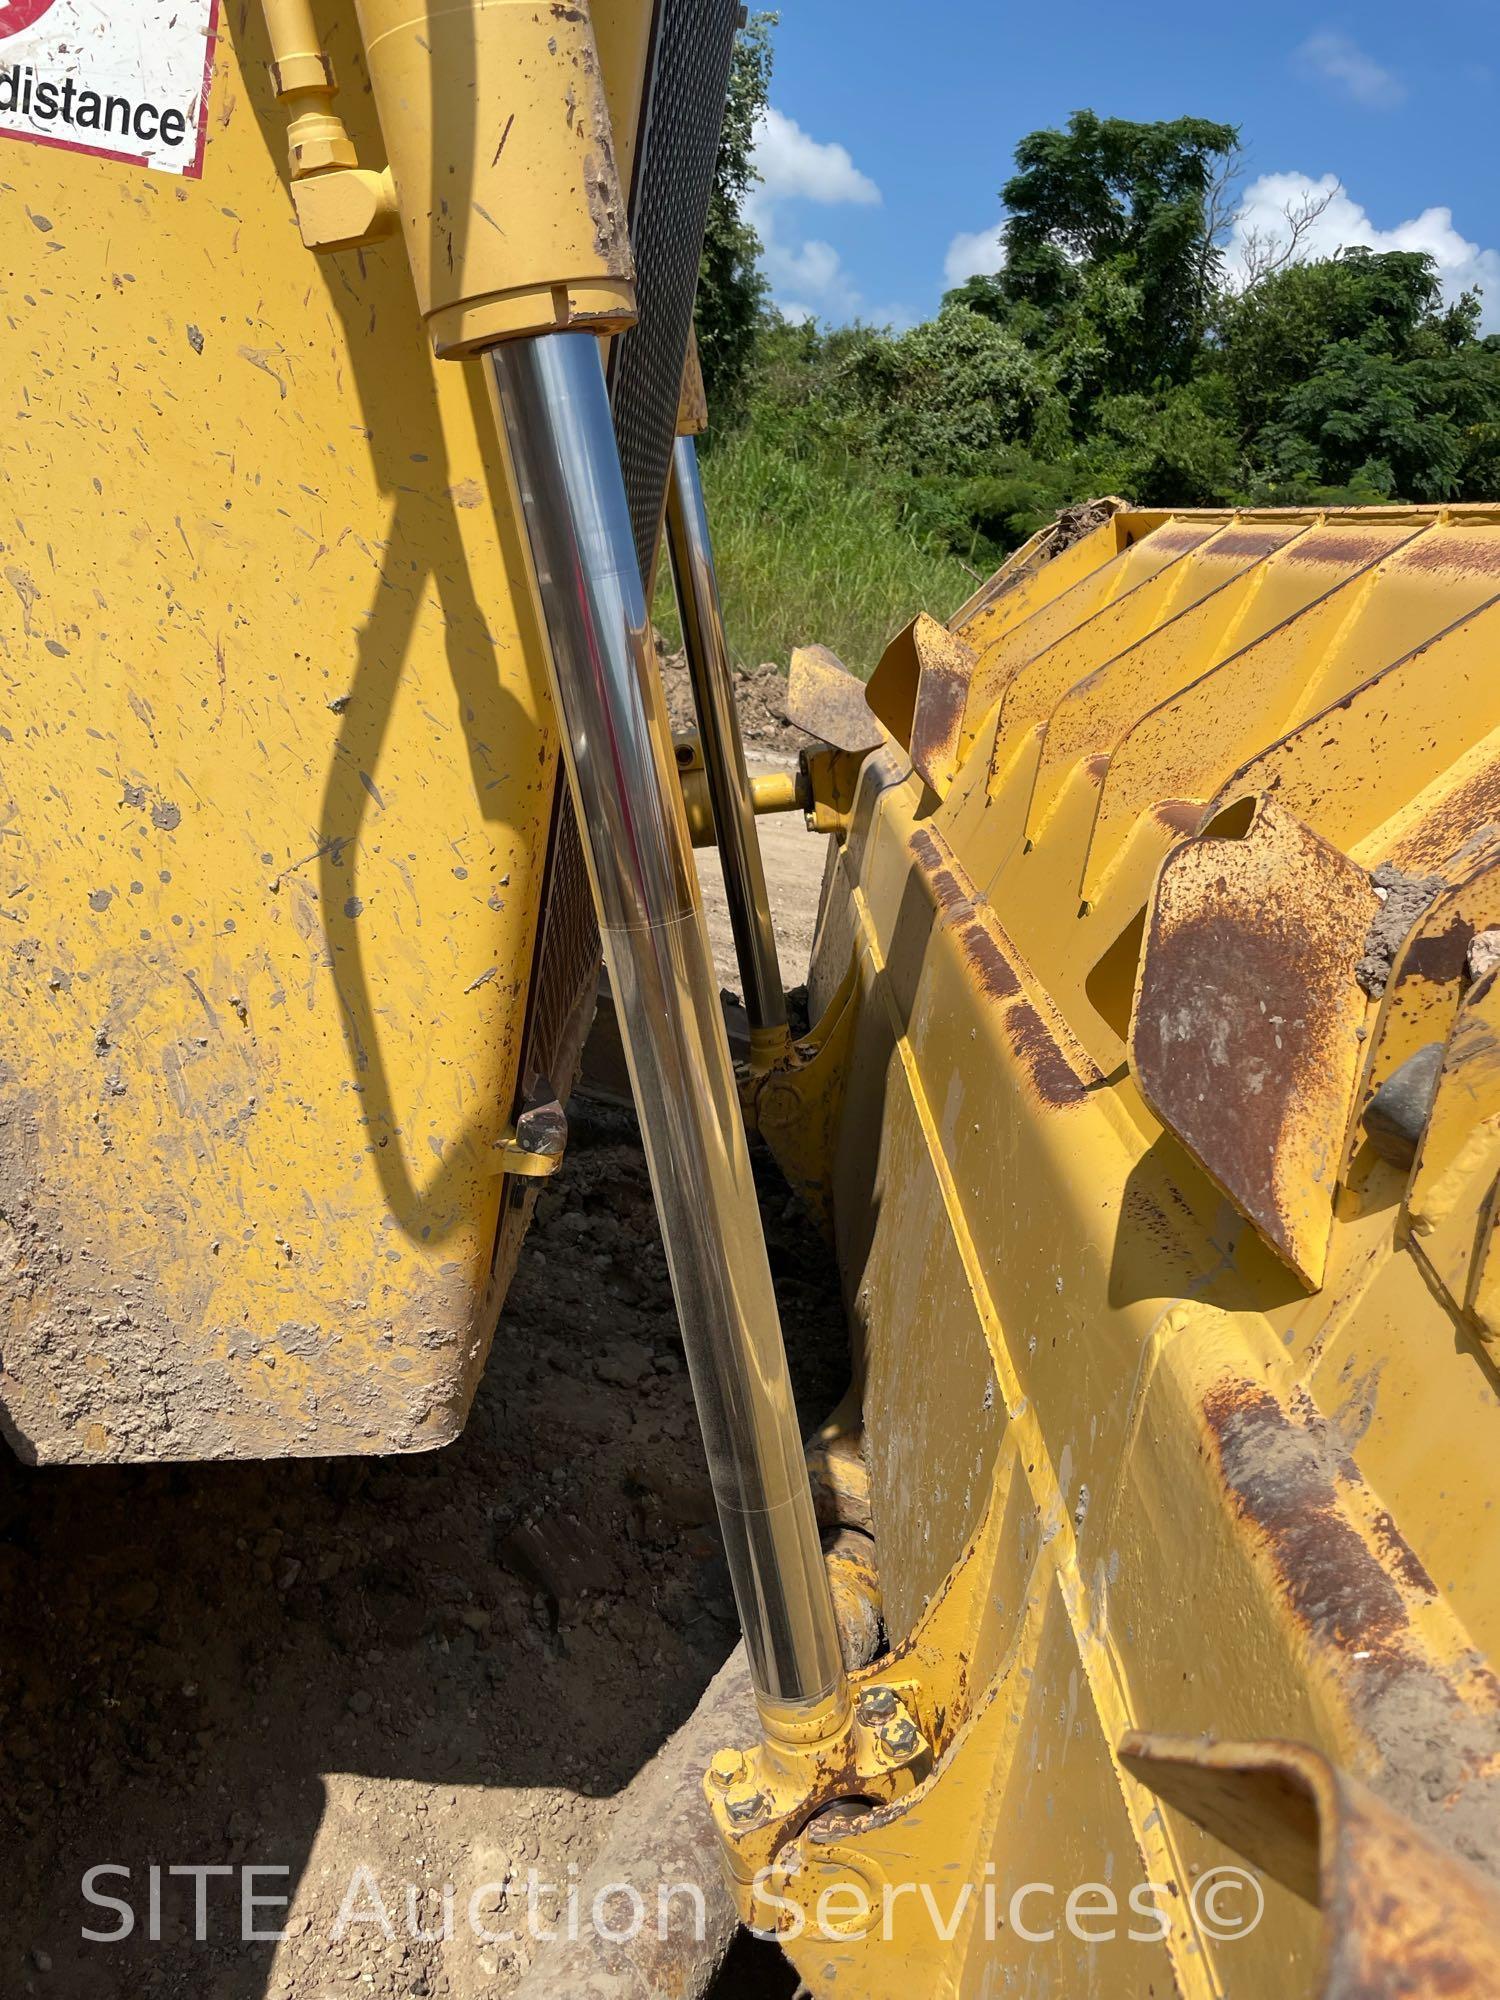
(876, 1703)
(900, 1736)
(743, 1811)
(727, 1767)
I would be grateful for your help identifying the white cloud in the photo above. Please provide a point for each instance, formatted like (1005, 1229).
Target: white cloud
(1339, 60)
(809, 279)
(805, 270)
(1344, 224)
(974, 254)
(791, 164)
(813, 266)
(895, 318)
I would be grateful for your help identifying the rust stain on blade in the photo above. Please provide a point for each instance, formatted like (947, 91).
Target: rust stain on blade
(1055, 1068)
(1243, 1038)
(1349, 548)
(1282, 1478)
(1179, 815)
(1445, 834)
(1360, 1597)
(920, 692)
(1467, 551)
(1401, 1915)
(1181, 540)
(1250, 544)
(945, 667)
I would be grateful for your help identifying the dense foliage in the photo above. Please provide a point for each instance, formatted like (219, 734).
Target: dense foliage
(1112, 353)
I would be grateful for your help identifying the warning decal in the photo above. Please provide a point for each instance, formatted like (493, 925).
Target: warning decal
(127, 81)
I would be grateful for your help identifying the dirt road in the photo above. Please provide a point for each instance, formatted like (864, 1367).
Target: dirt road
(369, 1679)
(793, 857)
(794, 875)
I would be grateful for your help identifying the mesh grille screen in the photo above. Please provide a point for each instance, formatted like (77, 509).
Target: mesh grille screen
(567, 967)
(669, 208)
(668, 212)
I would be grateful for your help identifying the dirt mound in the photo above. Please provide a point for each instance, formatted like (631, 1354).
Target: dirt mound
(760, 694)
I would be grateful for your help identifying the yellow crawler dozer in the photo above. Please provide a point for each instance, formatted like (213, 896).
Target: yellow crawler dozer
(1151, 1099)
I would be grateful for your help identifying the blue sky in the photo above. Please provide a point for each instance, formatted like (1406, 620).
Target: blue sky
(892, 127)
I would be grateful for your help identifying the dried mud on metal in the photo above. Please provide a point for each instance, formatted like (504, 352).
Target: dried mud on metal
(441, 1669)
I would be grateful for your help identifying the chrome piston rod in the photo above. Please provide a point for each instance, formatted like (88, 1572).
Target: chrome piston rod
(692, 559)
(554, 415)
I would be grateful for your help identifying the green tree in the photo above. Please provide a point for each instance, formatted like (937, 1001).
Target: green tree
(1277, 332)
(1351, 379)
(731, 291)
(950, 393)
(1109, 242)
(1178, 449)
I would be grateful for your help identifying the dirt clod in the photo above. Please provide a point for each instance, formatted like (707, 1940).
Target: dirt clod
(624, 1364)
(760, 695)
(1403, 898)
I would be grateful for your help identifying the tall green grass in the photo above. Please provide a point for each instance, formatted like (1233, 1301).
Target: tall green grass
(809, 549)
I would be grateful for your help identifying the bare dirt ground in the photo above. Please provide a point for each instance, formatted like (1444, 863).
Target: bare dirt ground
(437, 1670)
(794, 876)
(793, 858)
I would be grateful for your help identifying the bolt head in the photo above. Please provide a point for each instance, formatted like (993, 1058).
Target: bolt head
(743, 1811)
(876, 1703)
(727, 1768)
(900, 1736)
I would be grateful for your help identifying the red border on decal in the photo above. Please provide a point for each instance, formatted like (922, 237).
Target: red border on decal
(32, 11)
(19, 14)
(194, 171)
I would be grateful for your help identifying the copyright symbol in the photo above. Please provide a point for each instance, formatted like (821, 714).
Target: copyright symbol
(1227, 1903)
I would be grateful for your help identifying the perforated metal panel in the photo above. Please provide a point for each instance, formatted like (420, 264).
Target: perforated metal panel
(668, 213)
(675, 158)
(567, 969)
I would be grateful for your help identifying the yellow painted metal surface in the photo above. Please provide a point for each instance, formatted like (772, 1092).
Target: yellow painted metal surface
(497, 127)
(1247, 1025)
(276, 781)
(1413, 1919)
(1177, 1395)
